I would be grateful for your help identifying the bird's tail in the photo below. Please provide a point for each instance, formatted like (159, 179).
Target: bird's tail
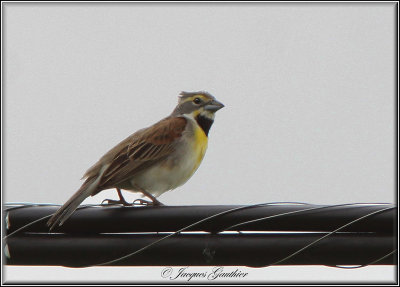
(65, 211)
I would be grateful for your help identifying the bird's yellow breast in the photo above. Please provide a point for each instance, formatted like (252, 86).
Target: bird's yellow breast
(199, 145)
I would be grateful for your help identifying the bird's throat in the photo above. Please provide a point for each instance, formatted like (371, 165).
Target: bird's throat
(205, 123)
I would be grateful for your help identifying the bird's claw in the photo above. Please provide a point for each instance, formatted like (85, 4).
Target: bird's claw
(140, 201)
(115, 202)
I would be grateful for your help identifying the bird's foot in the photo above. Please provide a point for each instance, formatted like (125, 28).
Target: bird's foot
(142, 202)
(116, 202)
(147, 202)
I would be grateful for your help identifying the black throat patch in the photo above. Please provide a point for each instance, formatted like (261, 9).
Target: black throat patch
(205, 123)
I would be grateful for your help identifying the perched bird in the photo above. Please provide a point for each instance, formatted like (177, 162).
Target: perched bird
(153, 160)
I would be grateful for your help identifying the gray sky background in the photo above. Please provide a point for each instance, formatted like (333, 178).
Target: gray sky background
(309, 92)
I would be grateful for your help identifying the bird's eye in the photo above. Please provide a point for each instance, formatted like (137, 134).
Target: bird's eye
(197, 101)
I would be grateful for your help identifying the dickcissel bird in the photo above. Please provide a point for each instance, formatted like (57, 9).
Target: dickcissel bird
(153, 160)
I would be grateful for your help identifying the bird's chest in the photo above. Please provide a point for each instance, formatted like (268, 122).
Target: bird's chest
(196, 150)
(179, 166)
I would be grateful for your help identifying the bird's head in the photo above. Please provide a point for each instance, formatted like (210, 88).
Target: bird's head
(199, 106)
(196, 104)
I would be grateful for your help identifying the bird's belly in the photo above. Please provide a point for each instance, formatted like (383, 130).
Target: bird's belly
(174, 170)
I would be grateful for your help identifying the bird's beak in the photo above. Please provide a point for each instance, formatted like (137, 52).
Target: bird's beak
(214, 106)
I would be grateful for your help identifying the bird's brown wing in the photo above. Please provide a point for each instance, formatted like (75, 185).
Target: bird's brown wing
(140, 150)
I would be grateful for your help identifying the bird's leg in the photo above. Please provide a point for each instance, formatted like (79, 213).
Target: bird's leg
(120, 201)
(154, 201)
